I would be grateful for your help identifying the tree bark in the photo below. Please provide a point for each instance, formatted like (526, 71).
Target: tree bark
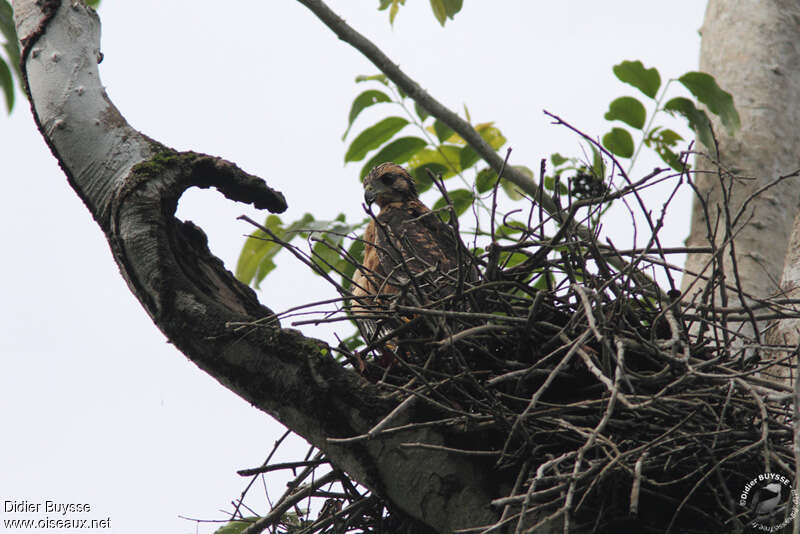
(131, 185)
(753, 50)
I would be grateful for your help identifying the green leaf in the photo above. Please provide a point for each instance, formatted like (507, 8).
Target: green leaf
(326, 255)
(510, 259)
(12, 50)
(421, 113)
(439, 11)
(628, 110)
(619, 142)
(373, 137)
(398, 151)
(362, 101)
(7, 84)
(452, 7)
(443, 131)
(666, 136)
(461, 198)
(373, 77)
(697, 118)
(446, 155)
(545, 281)
(661, 140)
(8, 31)
(236, 527)
(633, 72)
(598, 165)
(356, 252)
(451, 155)
(669, 157)
(557, 159)
(508, 230)
(7, 21)
(510, 188)
(468, 157)
(444, 9)
(327, 238)
(485, 180)
(423, 179)
(255, 259)
(93, 3)
(550, 185)
(491, 135)
(352, 342)
(384, 4)
(719, 102)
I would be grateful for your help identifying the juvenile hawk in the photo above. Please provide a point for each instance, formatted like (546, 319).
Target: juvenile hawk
(408, 250)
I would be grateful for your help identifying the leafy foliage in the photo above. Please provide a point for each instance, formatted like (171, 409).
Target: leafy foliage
(442, 9)
(256, 260)
(628, 110)
(373, 137)
(435, 149)
(619, 142)
(697, 118)
(662, 140)
(647, 81)
(719, 102)
(291, 521)
(236, 527)
(9, 63)
(363, 101)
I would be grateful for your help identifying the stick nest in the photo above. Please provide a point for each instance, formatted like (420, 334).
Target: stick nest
(595, 397)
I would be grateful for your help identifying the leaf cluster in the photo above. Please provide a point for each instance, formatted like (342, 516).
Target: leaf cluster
(435, 150)
(663, 141)
(429, 148)
(9, 64)
(442, 9)
(326, 237)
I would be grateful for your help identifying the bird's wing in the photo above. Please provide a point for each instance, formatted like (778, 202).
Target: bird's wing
(407, 249)
(412, 241)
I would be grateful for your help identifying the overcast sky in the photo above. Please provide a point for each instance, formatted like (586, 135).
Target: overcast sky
(96, 406)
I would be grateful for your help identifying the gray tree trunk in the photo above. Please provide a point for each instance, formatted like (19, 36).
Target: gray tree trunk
(752, 48)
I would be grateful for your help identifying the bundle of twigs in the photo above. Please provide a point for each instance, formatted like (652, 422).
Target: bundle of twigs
(602, 398)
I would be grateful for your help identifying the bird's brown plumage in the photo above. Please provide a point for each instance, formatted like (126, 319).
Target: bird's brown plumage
(407, 249)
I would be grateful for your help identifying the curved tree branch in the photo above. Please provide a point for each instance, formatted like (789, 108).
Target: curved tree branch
(131, 185)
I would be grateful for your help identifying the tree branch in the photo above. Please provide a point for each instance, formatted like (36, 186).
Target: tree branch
(131, 185)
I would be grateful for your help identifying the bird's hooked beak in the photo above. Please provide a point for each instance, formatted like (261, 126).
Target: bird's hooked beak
(369, 195)
(374, 189)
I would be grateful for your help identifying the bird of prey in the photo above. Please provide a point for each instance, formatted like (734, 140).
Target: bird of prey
(409, 253)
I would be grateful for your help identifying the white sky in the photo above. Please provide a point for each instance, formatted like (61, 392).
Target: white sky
(96, 406)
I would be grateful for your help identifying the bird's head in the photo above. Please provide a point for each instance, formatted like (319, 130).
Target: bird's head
(388, 183)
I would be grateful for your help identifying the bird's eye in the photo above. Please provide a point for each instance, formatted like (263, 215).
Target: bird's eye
(388, 178)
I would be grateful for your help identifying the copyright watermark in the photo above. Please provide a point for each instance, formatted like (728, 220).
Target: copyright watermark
(771, 500)
(27, 515)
